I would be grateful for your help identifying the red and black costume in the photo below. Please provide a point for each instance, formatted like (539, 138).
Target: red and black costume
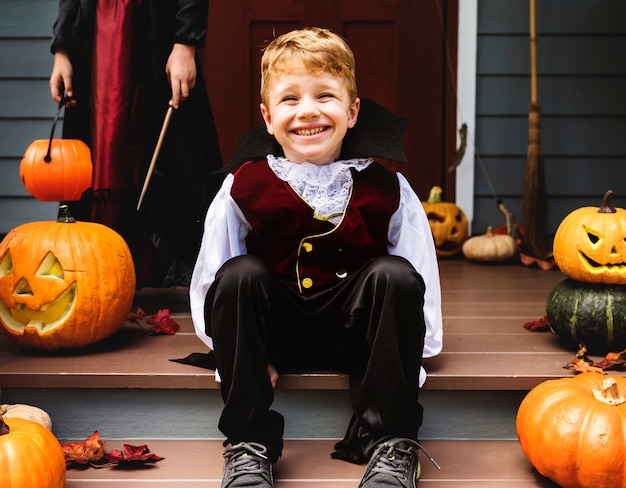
(118, 50)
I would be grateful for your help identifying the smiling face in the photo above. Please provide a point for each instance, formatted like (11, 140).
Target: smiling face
(309, 115)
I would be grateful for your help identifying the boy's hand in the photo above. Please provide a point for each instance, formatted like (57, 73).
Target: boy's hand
(181, 72)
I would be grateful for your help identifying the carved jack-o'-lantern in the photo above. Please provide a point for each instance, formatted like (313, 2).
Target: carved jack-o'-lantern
(64, 284)
(447, 222)
(589, 244)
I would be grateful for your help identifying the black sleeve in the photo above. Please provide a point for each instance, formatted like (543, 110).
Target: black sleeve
(191, 22)
(74, 24)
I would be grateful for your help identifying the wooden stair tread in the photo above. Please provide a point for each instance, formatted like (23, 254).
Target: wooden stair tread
(195, 463)
(485, 345)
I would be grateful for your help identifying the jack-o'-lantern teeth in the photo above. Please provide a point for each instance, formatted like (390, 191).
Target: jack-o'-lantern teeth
(47, 317)
(592, 265)
(310, 132)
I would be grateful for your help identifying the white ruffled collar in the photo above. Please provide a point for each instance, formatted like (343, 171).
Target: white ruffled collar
(325, 188)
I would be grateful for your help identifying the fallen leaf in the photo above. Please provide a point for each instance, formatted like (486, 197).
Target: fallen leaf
(132, 455)
(582, 366)
(539, 325)
(162, 323)
(92, 450)
(135, 317)
(582, 363)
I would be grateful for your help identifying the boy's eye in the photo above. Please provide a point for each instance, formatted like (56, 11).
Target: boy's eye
(326, 96)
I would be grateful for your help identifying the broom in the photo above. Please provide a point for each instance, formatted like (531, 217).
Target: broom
(535, 218)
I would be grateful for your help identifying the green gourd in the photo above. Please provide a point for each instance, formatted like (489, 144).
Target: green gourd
(589, 313)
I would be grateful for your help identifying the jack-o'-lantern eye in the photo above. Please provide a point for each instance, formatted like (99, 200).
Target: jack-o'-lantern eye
(6, 265)
(50, 267)
(593, 237)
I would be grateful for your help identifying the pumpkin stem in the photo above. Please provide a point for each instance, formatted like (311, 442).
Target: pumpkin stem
(605, 206)
(4, 428)
(435, 194)
(609, 393)
(489, 232)
(64, 215)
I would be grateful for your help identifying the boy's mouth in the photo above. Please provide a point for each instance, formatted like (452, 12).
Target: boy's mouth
(310, 132)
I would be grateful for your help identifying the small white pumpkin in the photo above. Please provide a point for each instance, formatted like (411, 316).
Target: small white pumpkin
(490, 247)
(26, 412)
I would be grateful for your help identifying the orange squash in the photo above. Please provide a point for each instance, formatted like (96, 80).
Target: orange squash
(30, 456)
(64, 284)
(573, 430)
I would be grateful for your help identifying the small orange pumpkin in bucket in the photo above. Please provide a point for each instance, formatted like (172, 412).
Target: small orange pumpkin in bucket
(55, 170)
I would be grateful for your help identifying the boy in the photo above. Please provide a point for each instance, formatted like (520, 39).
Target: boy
(312, 258)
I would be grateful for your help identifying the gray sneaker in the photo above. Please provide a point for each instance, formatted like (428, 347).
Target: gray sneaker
(393, 464)
(246, 464)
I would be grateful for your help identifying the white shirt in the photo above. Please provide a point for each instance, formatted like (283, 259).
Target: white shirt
(323, 187)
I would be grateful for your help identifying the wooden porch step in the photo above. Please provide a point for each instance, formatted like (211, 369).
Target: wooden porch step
(485, 345)
(307, 463)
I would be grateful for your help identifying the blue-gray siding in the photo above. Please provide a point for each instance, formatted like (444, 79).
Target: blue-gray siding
(581, 89)
(26, 110)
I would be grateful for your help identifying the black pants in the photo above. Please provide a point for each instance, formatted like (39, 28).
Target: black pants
(371, 325)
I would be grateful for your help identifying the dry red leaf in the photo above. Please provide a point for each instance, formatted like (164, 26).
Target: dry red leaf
(540, 325)
(162, 323)
(132, 455)
(92, 450)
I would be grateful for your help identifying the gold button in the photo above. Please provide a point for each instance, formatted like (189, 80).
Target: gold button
(307, 246)
(307, 283)
(341, 274)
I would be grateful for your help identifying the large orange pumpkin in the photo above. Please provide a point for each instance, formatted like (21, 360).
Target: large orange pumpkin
(64, 284)
(447, 222)
(573, 430)
(590, 244)
(30, 456)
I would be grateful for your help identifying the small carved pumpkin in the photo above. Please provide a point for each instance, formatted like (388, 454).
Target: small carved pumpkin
(30, 456)
(589, 244)
(489, 247)
(64, 284)
(447, 222)
(57, 170)
(573, 430)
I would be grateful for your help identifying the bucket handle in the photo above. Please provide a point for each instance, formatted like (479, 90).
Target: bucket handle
(62, 104)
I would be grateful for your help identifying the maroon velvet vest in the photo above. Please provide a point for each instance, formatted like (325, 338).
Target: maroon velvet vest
(307, 252)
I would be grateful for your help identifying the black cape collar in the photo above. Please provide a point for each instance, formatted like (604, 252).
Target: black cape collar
(377, 133)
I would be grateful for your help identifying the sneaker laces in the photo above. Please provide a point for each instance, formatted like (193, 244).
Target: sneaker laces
(394, 462)
(247, 460)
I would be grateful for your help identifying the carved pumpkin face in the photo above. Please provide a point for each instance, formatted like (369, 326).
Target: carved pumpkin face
(64, 285)
(447, 222)
(589, 244)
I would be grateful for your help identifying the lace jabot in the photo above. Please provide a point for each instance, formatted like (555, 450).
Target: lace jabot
(325, 188)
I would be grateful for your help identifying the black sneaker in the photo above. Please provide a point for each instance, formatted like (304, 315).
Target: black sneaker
(393, 464)
(246, 464)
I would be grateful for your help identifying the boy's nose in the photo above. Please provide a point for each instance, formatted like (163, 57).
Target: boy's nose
(308, 108)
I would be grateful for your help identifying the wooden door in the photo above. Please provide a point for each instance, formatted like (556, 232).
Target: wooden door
(406, 61)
